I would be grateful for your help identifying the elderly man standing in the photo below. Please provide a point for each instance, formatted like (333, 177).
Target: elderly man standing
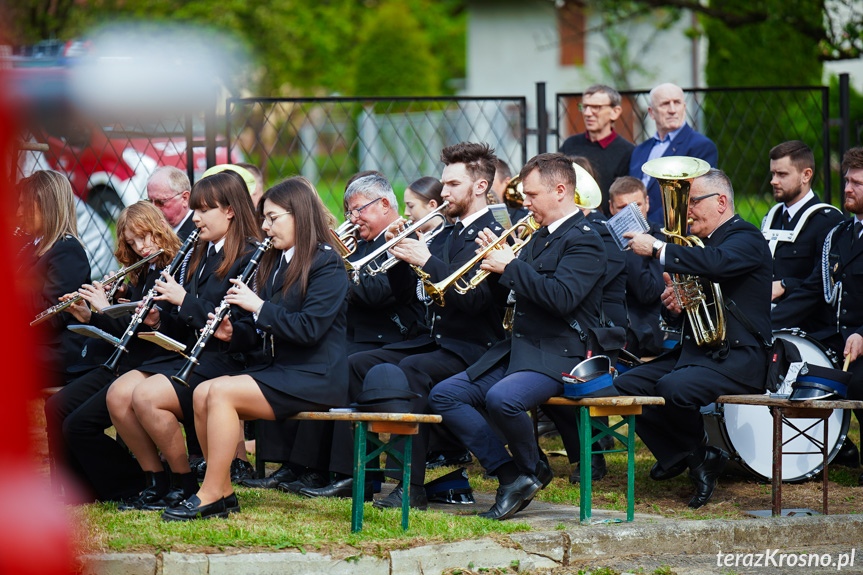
(169, 189)
(673, 138)
(608, 152)
(735, 255)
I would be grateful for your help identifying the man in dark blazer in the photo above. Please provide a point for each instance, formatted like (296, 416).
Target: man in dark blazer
(673, 138)
(557, 284)
(735, 256)
(843, 271)
(168, 188)
(466, 325)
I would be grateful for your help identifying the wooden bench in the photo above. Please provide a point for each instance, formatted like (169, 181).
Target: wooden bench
(401, 427)
(783, 411)
(589, 409)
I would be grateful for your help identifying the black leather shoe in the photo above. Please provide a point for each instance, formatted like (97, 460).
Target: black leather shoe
(307, 479)
(860, 479)
(232, 505)
(150, 496)
(598, 469)
(847, 456)
(281, 475)
(170, 499)
(659, 473)
(198, 466)
(705, 475)
(418, 499)
(339, 488)
(510, 498)
(437, 459)
(240, 470)
(191, 509)
(544, 474)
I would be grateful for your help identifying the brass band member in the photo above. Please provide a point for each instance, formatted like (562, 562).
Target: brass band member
(54, 263)
(736, 257)
(557, 280)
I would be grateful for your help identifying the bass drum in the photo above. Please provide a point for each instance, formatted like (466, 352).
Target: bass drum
(746, 431)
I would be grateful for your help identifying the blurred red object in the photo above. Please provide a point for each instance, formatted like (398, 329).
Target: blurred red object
(34, 531)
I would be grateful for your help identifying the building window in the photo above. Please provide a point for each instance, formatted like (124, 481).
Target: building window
(571, 29)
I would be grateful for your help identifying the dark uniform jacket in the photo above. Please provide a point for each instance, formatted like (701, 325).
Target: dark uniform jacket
(614, 282)
(467, 325)
(375, 315)
(737, 257)
(557, 278)
(845, 262)
(303, 337)
(644, 286)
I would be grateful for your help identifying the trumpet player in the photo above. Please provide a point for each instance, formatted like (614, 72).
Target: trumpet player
(557, 284)
(735, 257)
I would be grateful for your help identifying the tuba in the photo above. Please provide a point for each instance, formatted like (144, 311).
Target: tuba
(706, 316)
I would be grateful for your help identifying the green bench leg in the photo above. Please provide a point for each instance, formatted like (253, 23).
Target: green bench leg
(630, 466)
(585, 434)
(359, 488)
(406, 480)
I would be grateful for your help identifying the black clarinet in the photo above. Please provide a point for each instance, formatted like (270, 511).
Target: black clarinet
(147, 304)
(220, 313)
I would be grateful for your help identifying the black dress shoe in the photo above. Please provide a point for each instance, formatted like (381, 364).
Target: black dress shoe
(598, 469)
(339, 488)
(240, 470)
(198, 466)
(418, 498)
(437, 459)
(860, 479)
(281, 475)
(149, 496)
(232, 505)
(170, 499)
(307, 479)
(510, 498)
(847, 456)
(704, 476)
(191, 509)
(544, 474)
(659, 473)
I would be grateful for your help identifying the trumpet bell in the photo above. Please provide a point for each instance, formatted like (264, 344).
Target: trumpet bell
(675, 168)
(587, 192)
(513, 194)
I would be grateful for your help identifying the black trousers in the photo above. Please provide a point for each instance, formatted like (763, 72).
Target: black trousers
(676, 429)
(424, 367)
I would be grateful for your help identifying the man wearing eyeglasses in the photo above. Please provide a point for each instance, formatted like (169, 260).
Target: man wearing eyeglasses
(607, 151)
(735, 256)
(168, 189)
(673, 138)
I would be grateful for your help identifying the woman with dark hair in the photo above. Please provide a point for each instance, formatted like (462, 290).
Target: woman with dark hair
(299, 322)
(145, 404)
(54, 263)
(103, 467)
(422, 197)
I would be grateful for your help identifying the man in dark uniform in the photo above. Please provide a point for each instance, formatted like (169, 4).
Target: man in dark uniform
(462, 329)
(839, 282)
(168, 188)
(735, 256)
(644, 282)
(557, 282)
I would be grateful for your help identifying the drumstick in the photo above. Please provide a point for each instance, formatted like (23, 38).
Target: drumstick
(847, 361)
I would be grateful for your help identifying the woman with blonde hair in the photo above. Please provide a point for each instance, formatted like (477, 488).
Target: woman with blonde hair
(53, 263)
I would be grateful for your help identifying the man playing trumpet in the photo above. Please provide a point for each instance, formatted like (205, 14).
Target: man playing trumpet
(736, 257)
(557, 283)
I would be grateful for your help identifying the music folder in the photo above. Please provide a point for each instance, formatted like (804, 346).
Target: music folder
(629, 219)
(163, 340)
(90, 331)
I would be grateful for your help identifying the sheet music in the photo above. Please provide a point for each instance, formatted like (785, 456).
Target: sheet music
(629, 219)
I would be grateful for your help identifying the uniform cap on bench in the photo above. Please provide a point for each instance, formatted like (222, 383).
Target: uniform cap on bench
(385, 389)
(590, 378)
(816, 382)
(452, 488)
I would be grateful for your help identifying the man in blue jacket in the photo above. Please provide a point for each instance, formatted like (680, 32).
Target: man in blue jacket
(673, 138)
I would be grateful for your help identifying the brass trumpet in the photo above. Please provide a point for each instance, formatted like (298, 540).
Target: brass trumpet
(345, 237)
(437, 290)
(367, 262)
(113, 282)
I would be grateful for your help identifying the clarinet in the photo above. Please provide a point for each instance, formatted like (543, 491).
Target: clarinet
(147, 304)
(221, 312)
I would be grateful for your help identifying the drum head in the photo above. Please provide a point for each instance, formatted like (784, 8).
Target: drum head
(748, 429)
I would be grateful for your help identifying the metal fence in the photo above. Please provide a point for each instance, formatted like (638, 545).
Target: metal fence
(744, 123)
(329, 139)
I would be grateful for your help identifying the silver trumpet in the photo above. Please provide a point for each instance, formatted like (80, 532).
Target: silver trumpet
(367, 263)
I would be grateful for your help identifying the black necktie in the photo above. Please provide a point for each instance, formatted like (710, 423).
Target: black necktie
(209, 257)
(539, 242)
(786, 220)
(858, 227)
(456, 230)
(278, 271)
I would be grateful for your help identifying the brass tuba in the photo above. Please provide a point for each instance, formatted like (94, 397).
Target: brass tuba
(675, 175)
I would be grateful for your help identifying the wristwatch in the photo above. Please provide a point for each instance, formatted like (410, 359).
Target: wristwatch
(657, 245)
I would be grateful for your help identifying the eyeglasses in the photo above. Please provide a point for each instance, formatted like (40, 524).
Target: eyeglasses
(355, 213)
(694, 201)
(273, 217)
(592, 107)
(159, 203)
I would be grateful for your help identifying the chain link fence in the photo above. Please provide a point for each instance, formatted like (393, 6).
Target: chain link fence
(328, 140)
(744, 123)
